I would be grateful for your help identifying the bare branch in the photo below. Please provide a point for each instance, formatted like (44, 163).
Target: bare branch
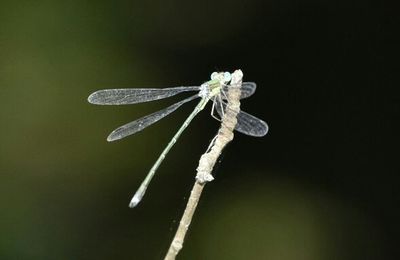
(207, 162)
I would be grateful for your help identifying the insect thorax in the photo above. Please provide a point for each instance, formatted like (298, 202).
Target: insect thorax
(210, 88)
(213, 87)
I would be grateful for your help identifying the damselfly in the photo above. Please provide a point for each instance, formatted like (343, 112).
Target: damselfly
(213, 90)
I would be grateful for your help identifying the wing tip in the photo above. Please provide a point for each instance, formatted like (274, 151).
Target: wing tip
(113, 137)
(99, 97)
(92, 98)
(262, 133)
(266, 130)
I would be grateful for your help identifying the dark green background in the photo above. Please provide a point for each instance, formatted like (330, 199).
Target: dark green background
(321, 185)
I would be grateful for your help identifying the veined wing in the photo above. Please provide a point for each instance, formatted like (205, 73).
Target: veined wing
(135, 95)
(246, 123)
(247, 89)
(141, 123)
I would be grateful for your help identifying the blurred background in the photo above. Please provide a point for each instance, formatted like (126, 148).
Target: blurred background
(323, 184)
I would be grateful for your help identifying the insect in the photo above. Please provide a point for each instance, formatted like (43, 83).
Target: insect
(213, 90)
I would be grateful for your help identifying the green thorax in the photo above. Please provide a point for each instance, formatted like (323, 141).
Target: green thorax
(214, 87)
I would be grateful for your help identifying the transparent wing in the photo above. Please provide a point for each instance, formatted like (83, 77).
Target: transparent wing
(134, 95)
(246, 123)
(141, 123)
(247, 89)
(251, 125)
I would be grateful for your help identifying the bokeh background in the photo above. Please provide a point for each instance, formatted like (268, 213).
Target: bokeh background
(323, 184)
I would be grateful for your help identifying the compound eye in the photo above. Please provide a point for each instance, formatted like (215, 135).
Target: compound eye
(214, 75)
(227, 77)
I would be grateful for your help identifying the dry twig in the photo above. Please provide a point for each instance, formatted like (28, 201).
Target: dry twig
(207, 162)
